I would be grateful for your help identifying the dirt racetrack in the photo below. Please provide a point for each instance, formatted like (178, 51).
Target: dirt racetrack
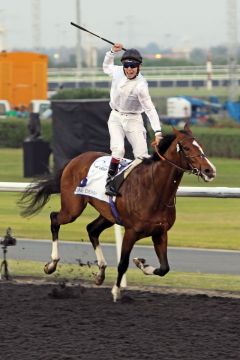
(46, 321)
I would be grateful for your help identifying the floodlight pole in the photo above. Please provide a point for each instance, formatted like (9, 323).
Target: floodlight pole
(78, 45)
(232, 49)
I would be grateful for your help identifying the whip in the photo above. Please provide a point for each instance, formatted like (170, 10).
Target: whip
(82, 28)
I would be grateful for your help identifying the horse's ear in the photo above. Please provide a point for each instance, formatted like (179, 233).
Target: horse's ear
(187, 128)
(176, 131)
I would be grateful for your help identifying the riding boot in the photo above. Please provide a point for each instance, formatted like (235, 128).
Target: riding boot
(112, 170)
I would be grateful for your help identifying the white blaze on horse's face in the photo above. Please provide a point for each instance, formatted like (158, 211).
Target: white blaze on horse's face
(206, 174)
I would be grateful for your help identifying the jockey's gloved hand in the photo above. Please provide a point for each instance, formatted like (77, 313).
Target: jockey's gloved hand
(158, 137)
(116, 47)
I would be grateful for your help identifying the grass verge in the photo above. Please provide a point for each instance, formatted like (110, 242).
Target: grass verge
(71, 272)
(201, 222)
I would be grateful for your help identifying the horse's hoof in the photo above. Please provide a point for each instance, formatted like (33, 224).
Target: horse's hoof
(100, 276)
(99, 279)
(161, 272)
(139, 262)
(116, 293)
(50, 267)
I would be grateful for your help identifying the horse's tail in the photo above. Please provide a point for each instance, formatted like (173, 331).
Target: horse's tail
(38, 194)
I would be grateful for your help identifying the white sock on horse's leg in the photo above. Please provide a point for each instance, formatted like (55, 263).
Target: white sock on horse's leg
(55, 253)
(148, 270)
(100, 257)
(116, 293)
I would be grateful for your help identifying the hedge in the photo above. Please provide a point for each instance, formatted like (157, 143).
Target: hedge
(81, 94)
(218, 142)
(13, 131)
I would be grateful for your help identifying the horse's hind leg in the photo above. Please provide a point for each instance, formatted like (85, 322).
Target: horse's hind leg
(94, 229)
(69, 212)
(50, 267)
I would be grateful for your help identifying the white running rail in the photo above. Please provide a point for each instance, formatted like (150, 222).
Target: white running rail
(183, 191)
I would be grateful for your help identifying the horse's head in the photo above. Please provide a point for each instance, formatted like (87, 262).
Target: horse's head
(192, 154)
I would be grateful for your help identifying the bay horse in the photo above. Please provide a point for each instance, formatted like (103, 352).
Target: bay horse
(146, 204)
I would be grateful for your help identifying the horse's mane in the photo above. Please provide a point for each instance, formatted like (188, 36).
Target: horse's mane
(162, 147)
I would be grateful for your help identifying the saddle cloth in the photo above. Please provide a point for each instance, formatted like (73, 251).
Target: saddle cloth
(94, 184)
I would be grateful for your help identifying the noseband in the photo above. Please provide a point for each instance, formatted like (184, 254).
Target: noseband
(188, 158)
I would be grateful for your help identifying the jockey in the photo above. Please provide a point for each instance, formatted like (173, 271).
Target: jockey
(129, 97)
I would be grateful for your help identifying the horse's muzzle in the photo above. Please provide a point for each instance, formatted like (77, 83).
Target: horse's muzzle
(208, 174)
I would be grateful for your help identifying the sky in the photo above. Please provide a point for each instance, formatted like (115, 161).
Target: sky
(168, 23)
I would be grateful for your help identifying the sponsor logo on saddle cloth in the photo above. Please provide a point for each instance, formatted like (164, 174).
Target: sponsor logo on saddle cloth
(94, 184)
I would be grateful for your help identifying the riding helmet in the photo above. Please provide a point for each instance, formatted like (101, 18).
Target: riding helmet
(132, 54)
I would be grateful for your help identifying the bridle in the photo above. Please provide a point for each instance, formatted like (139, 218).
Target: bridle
(192, 169)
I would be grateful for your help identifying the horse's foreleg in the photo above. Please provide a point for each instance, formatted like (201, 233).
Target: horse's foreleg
(160, 246)
(94, 230)
(127, 245)
(50, 267)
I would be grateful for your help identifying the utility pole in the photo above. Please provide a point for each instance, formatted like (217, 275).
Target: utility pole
(78, 45)
(2, 43)
(232, 50)
(2, 34)
(36, 24)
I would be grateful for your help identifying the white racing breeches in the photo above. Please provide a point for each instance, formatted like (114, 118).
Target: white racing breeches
(131, 126)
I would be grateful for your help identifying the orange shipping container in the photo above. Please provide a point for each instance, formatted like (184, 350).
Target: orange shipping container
(23, 77)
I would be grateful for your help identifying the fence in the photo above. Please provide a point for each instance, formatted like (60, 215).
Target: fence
(220, 72)
(161, 76)
(183, 191)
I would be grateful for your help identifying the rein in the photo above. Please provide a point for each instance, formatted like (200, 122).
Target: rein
(171, 162)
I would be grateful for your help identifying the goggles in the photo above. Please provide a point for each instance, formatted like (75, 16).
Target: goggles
(131, 64)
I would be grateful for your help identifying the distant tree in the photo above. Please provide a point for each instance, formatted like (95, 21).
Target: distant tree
(167, 62)
(152, 48)
(198, 56)
(219, 55)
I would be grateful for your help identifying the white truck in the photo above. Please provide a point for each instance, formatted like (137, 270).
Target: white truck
(42, 107)
(178, 108)
(4, 108)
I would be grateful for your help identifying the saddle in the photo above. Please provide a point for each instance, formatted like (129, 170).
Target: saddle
(93, 184)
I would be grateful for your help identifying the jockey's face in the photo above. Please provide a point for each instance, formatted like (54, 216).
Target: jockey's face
(131, 69)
